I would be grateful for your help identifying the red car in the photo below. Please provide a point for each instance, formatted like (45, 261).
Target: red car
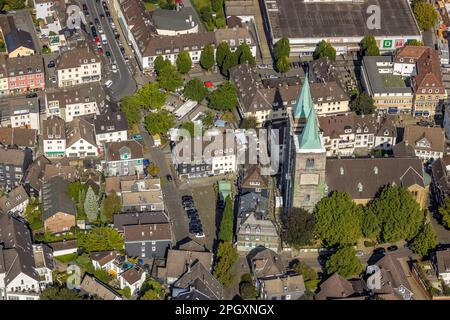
(100, 51)
(97, 39)
(208, 84)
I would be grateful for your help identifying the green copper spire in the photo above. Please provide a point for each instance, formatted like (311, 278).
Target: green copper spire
(310, 138)
(304, 101)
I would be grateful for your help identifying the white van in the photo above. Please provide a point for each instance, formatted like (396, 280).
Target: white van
(108, 83)
(104, 39)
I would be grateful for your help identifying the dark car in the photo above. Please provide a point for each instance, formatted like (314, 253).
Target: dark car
(186, 197)
(102, 16)
(107, 13)
(379, 251)
(31, 95)
(108, 54)
(169, 177)
(85, 8)
(392, 248)
(122, 50)
(51, 64)
(96, 21)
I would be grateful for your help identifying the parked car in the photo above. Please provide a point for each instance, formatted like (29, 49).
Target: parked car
(186, 197)
(146, 162)
(51, 64)
(53, 79)
(102, 16)
(31, 95)
(392, 248)
(379, 251)
(169, 177)
(108, 54)
(208, 84)
(96, 21)
(136, 137)
(263, 66)
(108, 83)
(114, 68)
(359, 253)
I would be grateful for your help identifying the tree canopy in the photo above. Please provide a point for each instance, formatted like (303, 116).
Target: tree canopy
(249, 123)
(299, 228)
(160, 63)
(223, 98)
(184, 62)
(244, 54)
(426, 15)
(91, 205)
(397, 213)
(229, 62)
(369, 46)
(345, 262)
(362, 103)
(325, 49)
(169, 78)
(195, 90)
(425, 241)
(444, 210)
(282, 64)
(159, 122)
(414, 42)
(207, 57)
(282, 48)
(225, 263)
(227, 222)
(152, 290)
(59, 293)
(338, 219)
(223, 49)
(101, 239)
(110, 205)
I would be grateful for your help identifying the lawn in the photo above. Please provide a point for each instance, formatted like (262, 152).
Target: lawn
(149, 6)
(393, 81)
(67, 257)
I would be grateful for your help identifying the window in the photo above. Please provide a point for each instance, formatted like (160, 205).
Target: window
(309, 163)
(153, 249)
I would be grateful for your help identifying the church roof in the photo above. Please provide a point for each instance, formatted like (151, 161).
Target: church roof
(304, 103)
(310, 139)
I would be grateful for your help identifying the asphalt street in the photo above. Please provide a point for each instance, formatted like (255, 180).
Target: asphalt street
(123, 82)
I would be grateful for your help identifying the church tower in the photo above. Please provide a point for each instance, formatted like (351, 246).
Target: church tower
(308, 153)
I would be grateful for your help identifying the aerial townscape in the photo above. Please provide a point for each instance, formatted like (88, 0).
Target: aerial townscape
(224, 150)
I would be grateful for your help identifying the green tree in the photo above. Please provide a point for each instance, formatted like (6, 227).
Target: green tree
(110, 205)
(283, 65)
(59, 293)
(223, 49)
(73, 189)
(425, 241)
(160, 63)
(225, 263)
(208, 119)
(91, 205)
(207, 57)
(126, 292)
(299, 228)
(226, 224)
(306, 271)
(325, 49)
(150, 97)
(153, 170)
(190, 127)
(159, 122)
(223, 98)
(362, 104)
(248, 291)
(249, 123)
(345, 263)
(217, 5)
(230, 61)
(282, 48)
(369, 46)
(101, 239)
(244, 54)
(16, 4)
(170, 78)
(398, 213)
(370, 225)
(207, 17)
(414, 42)
(131, 110)
(338, 219)
(426, 15)
(195, 90)
(80, 204)
(184, 62)
(152, 289)
(444, 210)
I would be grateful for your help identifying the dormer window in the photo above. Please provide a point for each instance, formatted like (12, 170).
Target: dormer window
(341, 171)
(401, 59)
(375, 170)
(386, 132)
(366, 129)
(360, 187)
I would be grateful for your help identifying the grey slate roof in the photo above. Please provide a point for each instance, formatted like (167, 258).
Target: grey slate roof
(110, 122)
(56, 198)
(13, 198)
(174, 20)
(146, 217)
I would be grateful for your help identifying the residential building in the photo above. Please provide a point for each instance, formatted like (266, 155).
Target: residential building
(22, 266)
(67, 172)
(18, 42)
(428, 142)
(390, 91)
(58, 209)
(22, 113)
(349, 133)
(110, 127)
(329, 98)
(266, 264)
(198, 279)
(80, 139)
(440, 185)
(25, 74)
(242, 10)
(254, 181)
(181, 261)
(252, 202)
(137, 218)
(64, 247)
(3, 77)
(324, 71)
(387, 277)
(49, 13)
(441, 263)
(235, 37)
(132, 278)
(69, 103)
(54, 137)
(13, 165)
(103, 260)
(123, 158)
(342, 23)
(216, 156)
(44, 264)
(32, 180)
(363, 178)
(14, 201)
(21, 138)
(147, 240)
(290, 287)
(78, 66)
(405, 59)
(93, 287)
(174, 22)
(257, 231)
(337, 287)
(142, 195)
